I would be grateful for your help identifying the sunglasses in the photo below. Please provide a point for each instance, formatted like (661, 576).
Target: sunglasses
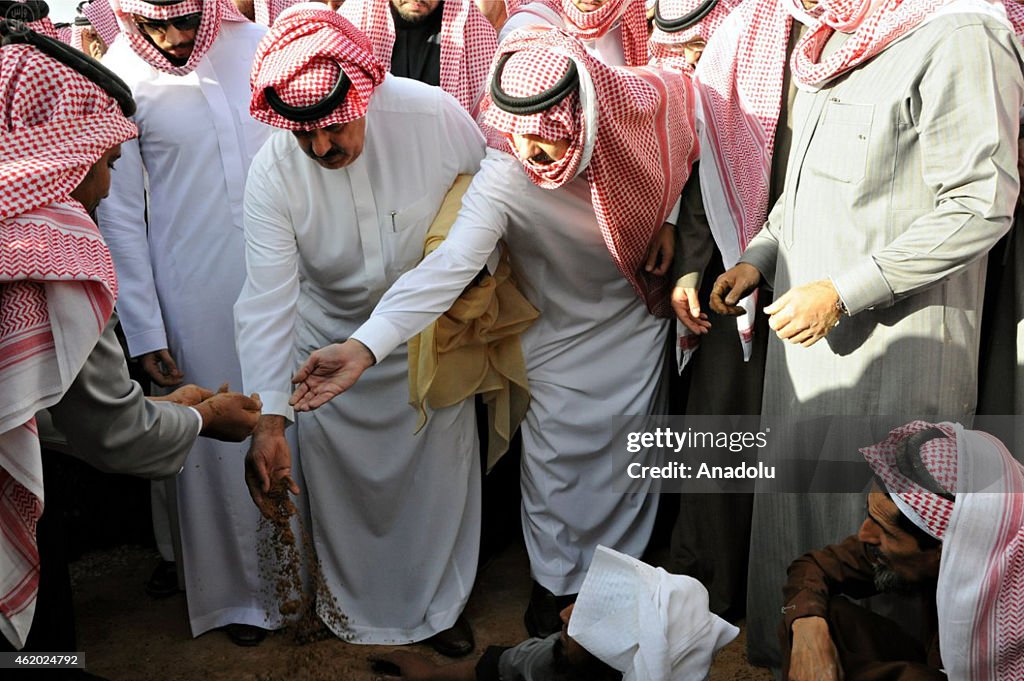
(186, 22)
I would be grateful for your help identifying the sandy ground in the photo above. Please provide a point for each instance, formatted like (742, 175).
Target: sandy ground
(127, 636)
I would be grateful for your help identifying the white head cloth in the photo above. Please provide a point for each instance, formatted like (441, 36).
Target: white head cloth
(645, 622)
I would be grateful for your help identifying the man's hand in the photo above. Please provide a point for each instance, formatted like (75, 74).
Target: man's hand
(187, 395)
(268, 461)
(161, 368)
(229, 416)
(687, 309)
(814, 656)
(661, 251)
(805, 314)
(329, 372)
(732, 286)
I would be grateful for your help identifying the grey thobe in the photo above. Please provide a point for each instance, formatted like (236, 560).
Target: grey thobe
(902, 175)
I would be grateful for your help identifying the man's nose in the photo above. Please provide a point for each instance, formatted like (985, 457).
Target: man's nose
(868, 532)
(526, 148)
(174, 36)
(321, 143)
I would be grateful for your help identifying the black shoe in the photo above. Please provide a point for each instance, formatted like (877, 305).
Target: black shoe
(543, 614)
(164, 580)
(456, 641)
(245, 635)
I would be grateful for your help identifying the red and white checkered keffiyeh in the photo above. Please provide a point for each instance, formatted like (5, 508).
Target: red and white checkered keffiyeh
(925, 509)
(102, 18)
(632, 14)
(41, 25)
(302, 56)
(1015, 13)
(980, 591)
(665, 47)
(468, 42)
(45, 27)
(740, 77)
(890, 21)
(57, 285)
(213, 11)
(267, 11)
(635, 147)
(76, 40)
(65, 34)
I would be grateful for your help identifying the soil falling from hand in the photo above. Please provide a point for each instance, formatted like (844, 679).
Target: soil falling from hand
(283, 562)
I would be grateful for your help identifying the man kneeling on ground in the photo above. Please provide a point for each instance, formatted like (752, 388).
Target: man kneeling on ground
(631, 621)
(945, 519)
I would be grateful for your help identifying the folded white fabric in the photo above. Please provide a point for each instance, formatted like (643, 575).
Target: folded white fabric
(645, 622)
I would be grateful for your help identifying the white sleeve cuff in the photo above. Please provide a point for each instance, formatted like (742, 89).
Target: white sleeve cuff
(275, 403)
(379, 336)
(199, 428)
(673, 217)
(147, 341)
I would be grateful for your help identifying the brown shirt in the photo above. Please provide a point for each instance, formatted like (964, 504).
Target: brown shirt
(841, 569)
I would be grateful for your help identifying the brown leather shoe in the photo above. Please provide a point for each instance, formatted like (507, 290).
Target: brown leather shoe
(456, 641)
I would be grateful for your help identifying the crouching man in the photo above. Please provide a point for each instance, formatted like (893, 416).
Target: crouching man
(631, 621)
(945, 519)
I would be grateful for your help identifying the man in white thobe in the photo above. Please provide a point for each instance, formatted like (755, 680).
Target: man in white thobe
(337, 207)
(179, 251)
(570, 189)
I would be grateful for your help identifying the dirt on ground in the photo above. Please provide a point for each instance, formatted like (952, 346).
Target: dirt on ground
(127, 636)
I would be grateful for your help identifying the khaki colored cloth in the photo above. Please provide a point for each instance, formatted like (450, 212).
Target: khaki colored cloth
(474, 347)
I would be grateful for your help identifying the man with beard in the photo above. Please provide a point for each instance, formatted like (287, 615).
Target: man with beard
(328, 229)
(448, 44)
(179, 250)
(902, 174)
(946, 521)
(570, 187)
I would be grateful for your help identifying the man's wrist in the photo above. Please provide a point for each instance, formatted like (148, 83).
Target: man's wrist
(810, 624)
(270, 425)
(370, 357)
(199, 418)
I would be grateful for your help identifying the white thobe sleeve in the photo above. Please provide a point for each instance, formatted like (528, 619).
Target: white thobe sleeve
(122, 220)
(265, 311)
(425, 292)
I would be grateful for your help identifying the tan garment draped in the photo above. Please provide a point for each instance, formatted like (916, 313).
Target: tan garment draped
(474, 347)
